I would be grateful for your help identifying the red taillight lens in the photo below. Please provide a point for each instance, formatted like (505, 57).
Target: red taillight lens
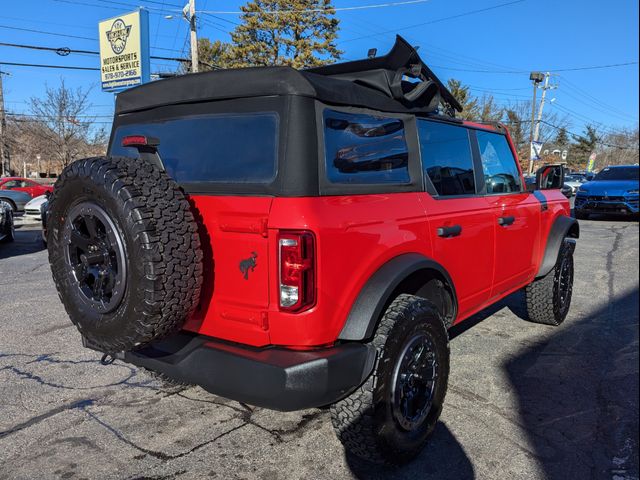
(134, 141)
(296, 254)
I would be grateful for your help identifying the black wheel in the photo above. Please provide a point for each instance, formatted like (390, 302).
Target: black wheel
(390, 417)
(548, 298)
(581, 215)
(124, 251)
(11, 233)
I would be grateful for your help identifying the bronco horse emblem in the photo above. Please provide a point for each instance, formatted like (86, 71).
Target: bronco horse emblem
(248, 264)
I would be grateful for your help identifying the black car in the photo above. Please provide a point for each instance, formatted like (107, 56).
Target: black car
(7, 229)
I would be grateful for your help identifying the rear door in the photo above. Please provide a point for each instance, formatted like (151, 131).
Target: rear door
(460, 221)
(516, 213)
(210, 155)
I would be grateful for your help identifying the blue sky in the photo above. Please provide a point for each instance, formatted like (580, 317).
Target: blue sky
(492, 51)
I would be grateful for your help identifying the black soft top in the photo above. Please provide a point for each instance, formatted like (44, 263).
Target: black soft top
(379, 83)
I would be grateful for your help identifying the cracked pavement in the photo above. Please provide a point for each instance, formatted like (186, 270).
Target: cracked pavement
(525, 401)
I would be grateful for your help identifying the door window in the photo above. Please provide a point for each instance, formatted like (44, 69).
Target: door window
(501, 173)
(447, 158)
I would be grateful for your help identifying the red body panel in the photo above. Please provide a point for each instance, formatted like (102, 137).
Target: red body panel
(356, 235)
(34, 189)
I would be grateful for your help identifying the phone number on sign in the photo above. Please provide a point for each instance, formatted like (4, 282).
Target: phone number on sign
(117, 75)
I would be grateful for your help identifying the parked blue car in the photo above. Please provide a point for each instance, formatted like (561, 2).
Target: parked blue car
(614, 190)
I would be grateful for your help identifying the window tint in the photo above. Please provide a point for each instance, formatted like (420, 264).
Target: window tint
(240, 148)
(446, 157)
(365, 149)
(501, 173)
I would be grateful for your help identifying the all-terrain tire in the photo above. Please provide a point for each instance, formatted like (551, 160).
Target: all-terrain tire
(157, 234)
(364, 421)
(547, 302)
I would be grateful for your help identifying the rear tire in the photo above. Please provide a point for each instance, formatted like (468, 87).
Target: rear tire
(124, 252)
(389, 418)
(548, 298)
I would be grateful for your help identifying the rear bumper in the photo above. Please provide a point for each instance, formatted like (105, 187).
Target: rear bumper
(275, 378)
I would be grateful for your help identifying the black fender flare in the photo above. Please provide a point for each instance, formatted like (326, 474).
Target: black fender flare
(375, 294)
(562, 228)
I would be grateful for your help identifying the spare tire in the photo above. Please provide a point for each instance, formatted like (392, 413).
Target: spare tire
(124, 251)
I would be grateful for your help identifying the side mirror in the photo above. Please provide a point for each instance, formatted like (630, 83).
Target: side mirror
(550, 177)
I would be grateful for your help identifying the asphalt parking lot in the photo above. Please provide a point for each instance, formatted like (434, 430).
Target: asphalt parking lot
(525, 401)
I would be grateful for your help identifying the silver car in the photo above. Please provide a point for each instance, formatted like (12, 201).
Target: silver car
(15, 198)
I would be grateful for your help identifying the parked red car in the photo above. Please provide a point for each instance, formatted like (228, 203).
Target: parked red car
(31, 187)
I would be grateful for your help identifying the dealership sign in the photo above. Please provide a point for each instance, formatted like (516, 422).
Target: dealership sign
(124, 51)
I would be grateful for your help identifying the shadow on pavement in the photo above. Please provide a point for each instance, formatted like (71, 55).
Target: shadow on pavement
(27, 241)
(578, 393)
(443, 458)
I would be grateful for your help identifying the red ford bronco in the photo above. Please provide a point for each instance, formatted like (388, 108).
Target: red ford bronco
(295, 239)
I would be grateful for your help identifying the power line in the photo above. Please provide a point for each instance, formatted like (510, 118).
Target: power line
(593, 67)
(64, 51)
(451, 17)
(152, 10)
(66, 35)
(314, 10)
(40, 65)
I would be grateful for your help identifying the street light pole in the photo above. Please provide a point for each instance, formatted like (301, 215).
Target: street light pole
(194, 36)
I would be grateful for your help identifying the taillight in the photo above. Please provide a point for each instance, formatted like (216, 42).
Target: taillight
(139, 141)
(297, 282)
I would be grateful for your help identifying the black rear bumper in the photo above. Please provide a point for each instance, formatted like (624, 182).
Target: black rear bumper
(275, 378)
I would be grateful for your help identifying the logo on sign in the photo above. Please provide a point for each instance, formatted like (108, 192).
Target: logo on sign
(118, 36)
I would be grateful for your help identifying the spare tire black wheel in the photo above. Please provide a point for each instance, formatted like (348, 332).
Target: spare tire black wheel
(124, 251)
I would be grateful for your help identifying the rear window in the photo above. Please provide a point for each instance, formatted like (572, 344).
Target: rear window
(365, 149)
(233, 148)
(446, 158)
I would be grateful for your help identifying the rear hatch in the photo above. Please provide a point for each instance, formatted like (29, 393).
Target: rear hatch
(213, 157)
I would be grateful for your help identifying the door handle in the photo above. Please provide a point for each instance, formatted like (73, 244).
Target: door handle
(504, 221)
(452, 231)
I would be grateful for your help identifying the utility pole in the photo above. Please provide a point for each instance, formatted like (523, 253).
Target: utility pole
(545, 87)
(194, 36)
(536, 78)
(2, 128)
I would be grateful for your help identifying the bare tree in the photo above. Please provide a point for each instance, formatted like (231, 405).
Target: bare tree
(62, 121)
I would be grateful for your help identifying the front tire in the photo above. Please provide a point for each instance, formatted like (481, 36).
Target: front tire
(389, 418)
(548, 298)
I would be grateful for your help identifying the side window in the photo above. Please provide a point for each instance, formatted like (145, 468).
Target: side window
(10, 184)
(365, 149)
(447, 158)
(501, 173)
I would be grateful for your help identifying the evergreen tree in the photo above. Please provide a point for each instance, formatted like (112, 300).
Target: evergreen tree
(470, 108)
(562, 139)
(585, 145)
(299, 33)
